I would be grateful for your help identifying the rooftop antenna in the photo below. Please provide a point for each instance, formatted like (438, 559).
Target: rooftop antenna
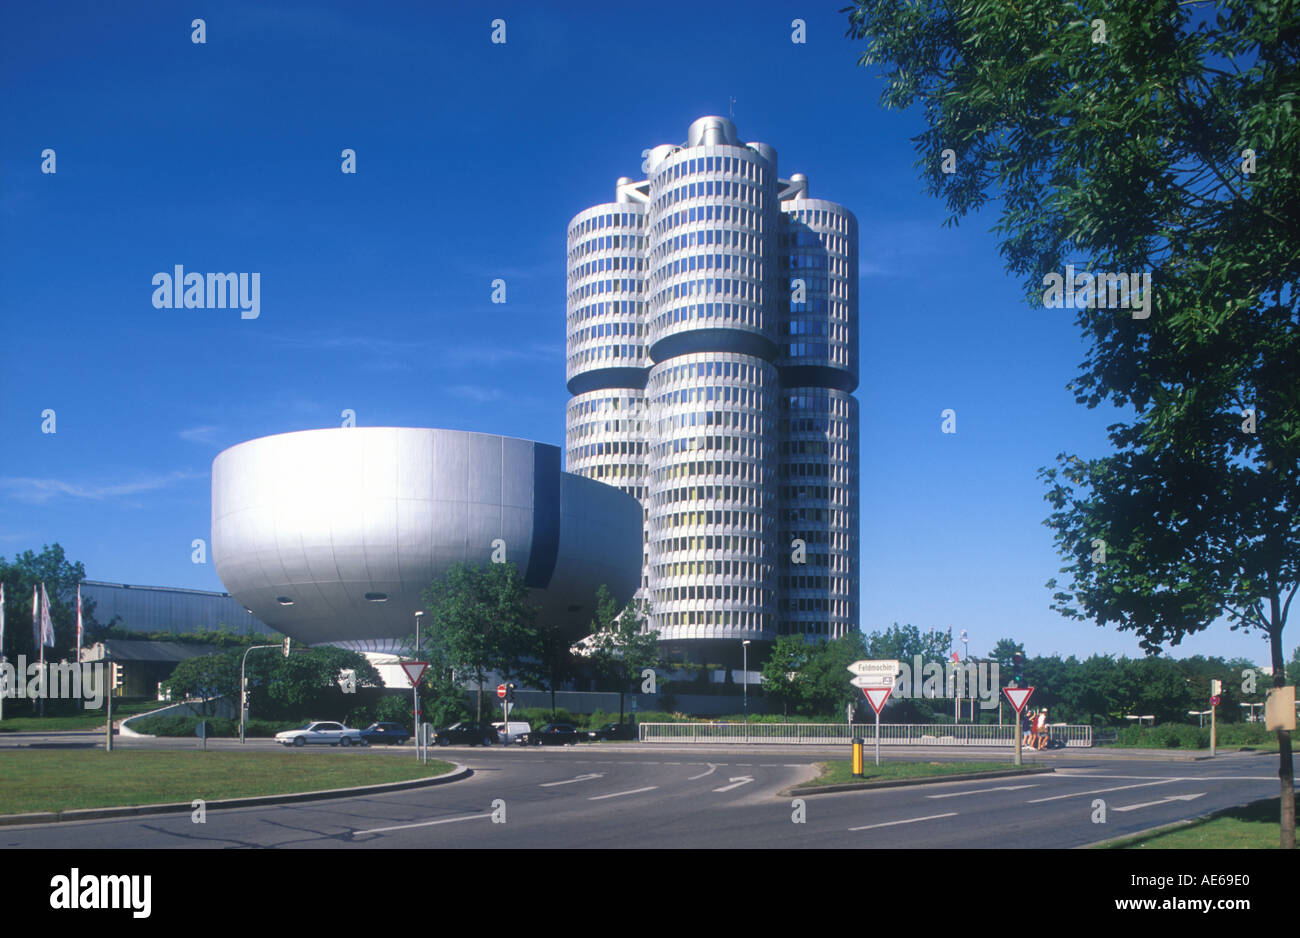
(733, 109)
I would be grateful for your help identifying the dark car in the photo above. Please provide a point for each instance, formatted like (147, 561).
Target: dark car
(623, 731)
(554, 734)
(394, 733)
(472, 734)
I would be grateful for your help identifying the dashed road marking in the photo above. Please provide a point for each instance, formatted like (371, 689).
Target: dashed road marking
(400, 827)
(911, 820)
(620, 794)
(1100, 791)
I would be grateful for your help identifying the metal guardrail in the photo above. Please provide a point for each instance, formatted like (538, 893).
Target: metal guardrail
(891, 734)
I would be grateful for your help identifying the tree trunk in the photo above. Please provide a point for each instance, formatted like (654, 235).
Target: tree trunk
(1286, 769)
(478, 715)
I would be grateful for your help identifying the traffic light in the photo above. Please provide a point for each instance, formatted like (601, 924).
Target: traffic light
(115, 675)
(510, 693)
(287, 640)
(1017, 669)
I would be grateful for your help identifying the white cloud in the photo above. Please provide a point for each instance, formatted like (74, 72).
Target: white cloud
(44, 490)
(203, 434)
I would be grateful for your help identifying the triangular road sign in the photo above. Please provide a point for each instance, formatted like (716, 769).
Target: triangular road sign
(414, 670)
(876, 696)
(1018, 696)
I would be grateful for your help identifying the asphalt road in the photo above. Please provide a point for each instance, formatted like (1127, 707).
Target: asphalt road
(664, 797)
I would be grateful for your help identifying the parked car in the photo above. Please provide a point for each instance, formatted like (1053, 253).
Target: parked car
(514, 732)
(394, 733)
(472, 734)
(555, 734)
(624, 731)
(333, 734)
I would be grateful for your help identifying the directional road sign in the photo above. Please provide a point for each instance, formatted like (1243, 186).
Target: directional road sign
(885, 670)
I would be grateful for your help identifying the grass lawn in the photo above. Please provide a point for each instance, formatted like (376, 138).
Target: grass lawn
(59, 780)
(837, 773)
(1251, 827)
(86, 720)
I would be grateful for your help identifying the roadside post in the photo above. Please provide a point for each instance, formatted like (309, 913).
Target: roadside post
(201, 731)
(1018, 696)
(857, 757)
(876, 696)
(876, 678)
(1216, 688)
(414, 670)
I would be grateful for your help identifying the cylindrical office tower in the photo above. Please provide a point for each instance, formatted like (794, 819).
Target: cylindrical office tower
(712, 505)
(607, 360)
(818, 359)
(712, 221)
(818, 523)
(712, 355)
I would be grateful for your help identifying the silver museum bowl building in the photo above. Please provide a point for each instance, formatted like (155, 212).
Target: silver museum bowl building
(332, 536)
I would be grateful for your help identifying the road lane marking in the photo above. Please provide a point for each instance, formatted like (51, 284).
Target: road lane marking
(619, 794)
(736, 782)
(712, 768)
(402, 827)
(1147, 804)
(569, 781)
(911, 820)
(1100, 791)
(980, 791)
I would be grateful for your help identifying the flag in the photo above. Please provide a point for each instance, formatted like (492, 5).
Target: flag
(36, 618)
(78, 621)
(2, 620)
(954, 657)
(47, 626)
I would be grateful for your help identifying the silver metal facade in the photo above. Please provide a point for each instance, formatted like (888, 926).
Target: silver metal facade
(713, 352)
(333, 535)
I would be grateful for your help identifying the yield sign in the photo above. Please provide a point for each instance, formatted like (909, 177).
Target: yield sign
(876, 696)
(1018, 696)
(414, 670)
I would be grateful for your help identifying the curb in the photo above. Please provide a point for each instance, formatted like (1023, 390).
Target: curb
(1171, 826)
(457, 773)
(901, 782)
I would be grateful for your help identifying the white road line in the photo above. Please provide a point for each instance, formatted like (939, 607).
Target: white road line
(712, 768)
(666, 763)
(619, 794)
(401, 827)
(911, 820)
(736, 782)
(1147, 804)
(980, 791)
(569, 781)
(1100, 791)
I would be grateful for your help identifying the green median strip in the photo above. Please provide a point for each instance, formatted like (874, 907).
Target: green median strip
(62, 780)
(1249, 827)
(841, 773)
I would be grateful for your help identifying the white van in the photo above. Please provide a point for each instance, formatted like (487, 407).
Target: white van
(512, 732)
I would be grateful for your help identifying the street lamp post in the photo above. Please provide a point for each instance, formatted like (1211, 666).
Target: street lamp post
(415, 688)
(243, 687)
(744, 675)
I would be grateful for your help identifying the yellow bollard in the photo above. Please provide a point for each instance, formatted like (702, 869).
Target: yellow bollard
(857, 758)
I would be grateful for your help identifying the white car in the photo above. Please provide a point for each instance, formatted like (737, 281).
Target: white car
(335, 734)
(515, 732)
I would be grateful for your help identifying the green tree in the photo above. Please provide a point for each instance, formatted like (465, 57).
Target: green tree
(907, 641)
(481, 621)
(26, 572)
(1004, 651)
(1164, 144)
(622, 644)
(780, 673)
(205, 678)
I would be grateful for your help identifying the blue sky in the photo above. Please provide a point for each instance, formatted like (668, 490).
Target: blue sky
(375, 287)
